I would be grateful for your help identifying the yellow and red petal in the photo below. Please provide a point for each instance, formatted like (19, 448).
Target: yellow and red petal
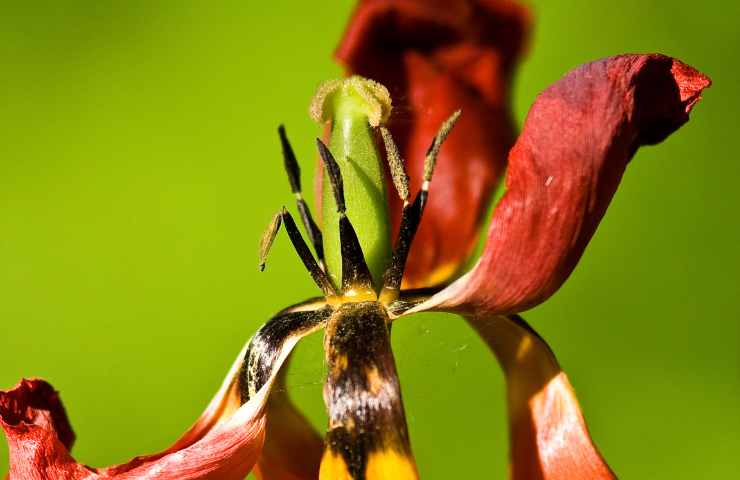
(436, 57)
(224, 443)
(549, 439)
(563, 171)
(367, 436)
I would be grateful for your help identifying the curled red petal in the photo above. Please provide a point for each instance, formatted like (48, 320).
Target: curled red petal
(436, 57)
(39, 434)
(549, 439)
(224, 443)
(563, 171)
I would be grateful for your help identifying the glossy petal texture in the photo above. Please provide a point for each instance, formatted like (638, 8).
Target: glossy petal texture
(224, 443)
(436, 57)
(548, 435)
(563, 171)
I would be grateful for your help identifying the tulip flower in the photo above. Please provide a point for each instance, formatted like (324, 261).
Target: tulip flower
(564, 168)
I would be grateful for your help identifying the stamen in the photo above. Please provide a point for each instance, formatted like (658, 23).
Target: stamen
(411, 217)
(335, 175)
(268, 237)
(397, 167)
(318, 275)
(356, 277)
(431, 158)
(290, 162)
(294, 177)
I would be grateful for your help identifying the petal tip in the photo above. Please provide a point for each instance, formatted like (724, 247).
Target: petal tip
(691, 83)
(35, 402)
(576, 142)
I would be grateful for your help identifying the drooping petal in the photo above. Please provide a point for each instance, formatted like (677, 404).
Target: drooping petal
(224, 443)
(292, 449)
(367, 436)
(215, 447)
(549, 439)
(436, 57)
(563, 171)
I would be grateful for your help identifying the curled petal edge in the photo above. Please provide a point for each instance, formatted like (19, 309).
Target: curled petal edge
(224, 443)
(564, 169)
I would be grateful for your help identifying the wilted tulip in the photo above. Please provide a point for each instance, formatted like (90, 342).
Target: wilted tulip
(448, 64)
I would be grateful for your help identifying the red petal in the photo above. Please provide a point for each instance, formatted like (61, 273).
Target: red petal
(436, 57)
(39, 434)
(563, 171)
(223, 444)
(549, 437)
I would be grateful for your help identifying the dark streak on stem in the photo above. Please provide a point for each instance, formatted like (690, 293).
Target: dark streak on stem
(362, 391)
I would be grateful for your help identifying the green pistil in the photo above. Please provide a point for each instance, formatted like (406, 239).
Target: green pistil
(354, 106)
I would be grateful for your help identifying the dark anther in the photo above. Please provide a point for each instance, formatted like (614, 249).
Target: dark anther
(410, 219)
(335, 175)
(355, 274)
(318, 275)
(284, 217)
(290, 162)
(294, 177)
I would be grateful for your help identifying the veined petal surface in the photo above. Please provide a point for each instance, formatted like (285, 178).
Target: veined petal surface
(577, 140)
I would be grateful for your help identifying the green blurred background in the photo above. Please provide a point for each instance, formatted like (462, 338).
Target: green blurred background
(139, 165)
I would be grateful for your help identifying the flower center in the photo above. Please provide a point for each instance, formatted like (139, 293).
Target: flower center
(358, 281)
